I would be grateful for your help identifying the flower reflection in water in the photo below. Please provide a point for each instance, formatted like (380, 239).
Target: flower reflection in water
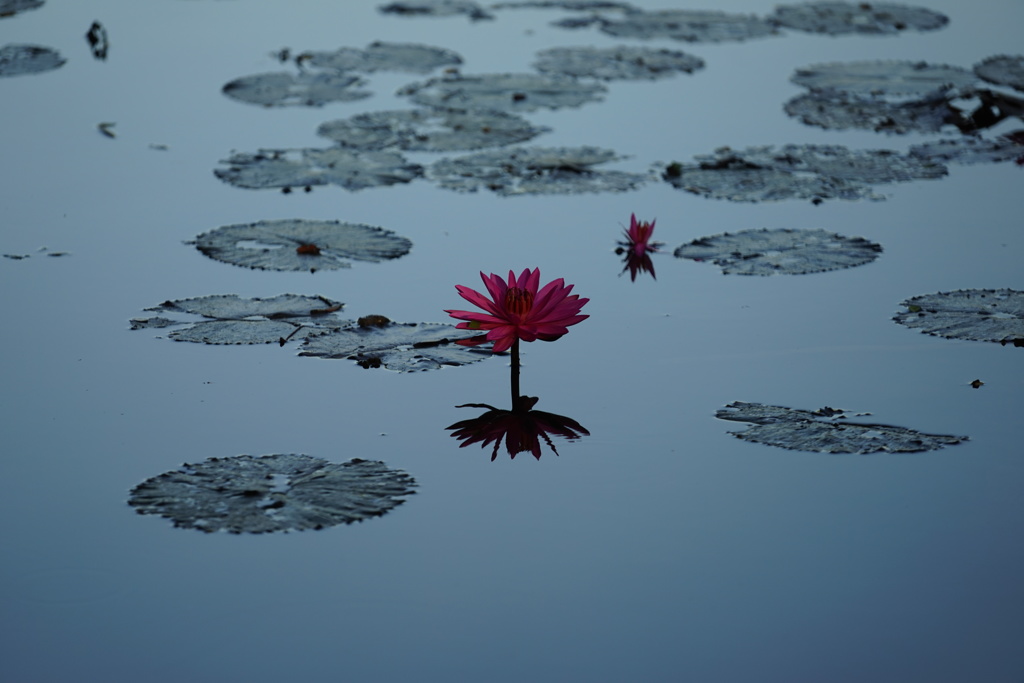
(638, 248)
(522, 428)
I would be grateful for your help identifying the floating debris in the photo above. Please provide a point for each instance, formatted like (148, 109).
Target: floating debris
(878, 78)
(97, 39)
(503, 92)
(693, 26)
(381, 56)
(305, 89)
(616, 63)
(402, 347)
(803, 430)
(107, 129)
(1002, 70)
(842, 18)
(288, 168)
(256, 495)
(430, 130)
(992, 315)
(8, 8)
(16, 60)
(780, 251)
(436, 8)
(297, 244)
(534, 170)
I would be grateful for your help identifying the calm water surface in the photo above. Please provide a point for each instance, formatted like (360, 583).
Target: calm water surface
(660, 548)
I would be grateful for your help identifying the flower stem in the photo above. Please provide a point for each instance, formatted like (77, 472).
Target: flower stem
(515, 375)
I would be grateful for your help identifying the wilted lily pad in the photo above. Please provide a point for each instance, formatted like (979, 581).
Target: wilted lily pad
(994, 315)
(296, 244)
(381, 56)
(812, 431)
(430, 130)
(897, 79)
(16, 60)
(839, 111)
(403, 347)
(616, 63)
(696, 26)
(436, 8)
(256, 495)
(534, 170)
(304, 89)
(781, 251)
(231, 319)
(839, 18)
(288, 168)
(504, 92)
(1002, 70)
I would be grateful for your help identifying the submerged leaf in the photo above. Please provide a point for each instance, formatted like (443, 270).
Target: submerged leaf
(696, 26)
(288, 168)
(534, 170)
(503, 92)
(1002, 70)
(781, 251)
(285, 244)
(994, 315)
(16, 60)
(878, 78)
(616, 63)
(840, 18)
(430, 130)
(248, 494)
(402, 347)
(305, 89)
(381, 56)
(803, 430)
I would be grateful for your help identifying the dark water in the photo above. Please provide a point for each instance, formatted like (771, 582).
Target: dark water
(658, 549)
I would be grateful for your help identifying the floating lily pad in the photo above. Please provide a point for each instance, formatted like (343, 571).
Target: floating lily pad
(230, 319)
(256, 495)
(763, 185)
(837, 111)
(504, 92)
(16, 60)
(803, 430)
(616, 63)
(305, 89)
(534, 170)
(436, 8)
(381, 56)
(694, 26)
(897, 79)
(1002, 70)
(430, 130)
(8, 8)
(780, 251)
(296, 244)
(288, 168)
(402, 347)
(993, 315)
(840, 18)
(970, 150)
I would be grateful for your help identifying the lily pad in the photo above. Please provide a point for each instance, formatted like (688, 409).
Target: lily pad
(8, 8)
(896, 79)
(1002, 70)
(381, 56)
(616, 63)
(803, 430)
(503, 92)
(993, 315)
(841, 18)
(430, 130)
(256, 495)
(695, 26)
(16, 60)
(436, 8)
(575, 5)
(970, 150)
(534, 170)
(231, 319)
(838, 111)
(780, 251)
(402, 347)
(305, 89)
(763, 185)
(288, 168)
(296, 244)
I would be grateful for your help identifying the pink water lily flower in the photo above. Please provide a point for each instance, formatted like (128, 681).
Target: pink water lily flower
(639, 235)
(516, 310)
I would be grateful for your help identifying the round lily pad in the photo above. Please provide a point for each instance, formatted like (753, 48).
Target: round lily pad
(297, 244)
(436, 8)
(305, 89)
(696, 26)
(534, 170)
(841, 18)
(839, 111)
(1002, 70)
(811, 431)
(898, 79)
(290, 168)
(763, 184)
(993, 315)
(16, 60)
(780, 251)
(256, 495)
(381, 56)
(504, 92)
(616, 63)
(430, 130)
